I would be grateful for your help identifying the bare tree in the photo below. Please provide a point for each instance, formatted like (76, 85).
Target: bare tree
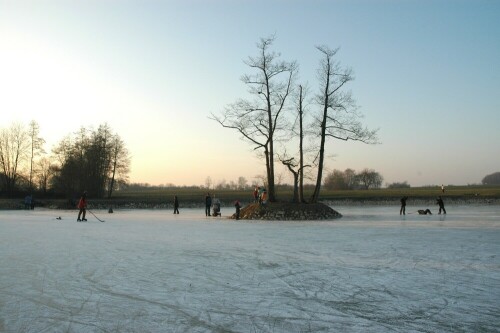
(36, 147)
(242, 183)
(45, 171)
(370, 178)
(291, 164)
(339, 118)
(208, 182)
(261, 179)
(297, 169)
(120, 162)
(301, 133)
(335, 180)
(98, 156)
(259, 120)
(350, 178)
(14, 146)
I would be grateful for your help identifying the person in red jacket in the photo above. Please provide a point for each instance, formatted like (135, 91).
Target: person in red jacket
(82, 206)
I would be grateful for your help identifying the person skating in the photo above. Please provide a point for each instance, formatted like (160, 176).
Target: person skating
(402, 211)
(237, 205)
(82, 206)
(27, 202)
(208, 204)
(176, 205)
(440, 202)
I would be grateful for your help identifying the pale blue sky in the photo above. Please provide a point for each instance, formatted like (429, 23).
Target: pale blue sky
(427, 74)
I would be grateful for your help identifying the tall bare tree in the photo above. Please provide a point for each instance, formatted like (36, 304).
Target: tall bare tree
(297, 168)
(339, 118)
(99, 160)
(301, 133)
(36, 147)
(259, 120)
(120, 162)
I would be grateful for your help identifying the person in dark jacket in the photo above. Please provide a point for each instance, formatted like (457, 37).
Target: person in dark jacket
(440, 202)
(402, 211)
(208, 204)
(176, 205)
(237, 205)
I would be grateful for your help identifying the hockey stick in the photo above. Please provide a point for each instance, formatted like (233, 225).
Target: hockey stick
(95, 216)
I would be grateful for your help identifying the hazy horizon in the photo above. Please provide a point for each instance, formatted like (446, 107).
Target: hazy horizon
(426, 74)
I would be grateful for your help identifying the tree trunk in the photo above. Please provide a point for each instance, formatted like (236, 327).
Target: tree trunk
(271, 192)
(270, 181)
(112, 181)
(301, 151)
(319, 177)
(295, 187)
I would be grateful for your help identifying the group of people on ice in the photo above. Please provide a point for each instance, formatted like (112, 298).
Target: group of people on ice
(439, 201)
(260, 195)
(213, 206)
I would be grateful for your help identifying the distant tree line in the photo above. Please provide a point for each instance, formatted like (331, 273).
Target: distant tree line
(351, 180)
(220, 186)
(241, 184)
(96, 161)
(399, 185)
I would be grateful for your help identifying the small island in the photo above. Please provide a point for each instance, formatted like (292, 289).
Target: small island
(286, 211)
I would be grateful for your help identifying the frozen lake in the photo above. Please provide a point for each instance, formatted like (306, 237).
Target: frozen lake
(152, 271)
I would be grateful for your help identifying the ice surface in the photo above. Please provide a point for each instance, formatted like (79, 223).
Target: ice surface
(152, 271)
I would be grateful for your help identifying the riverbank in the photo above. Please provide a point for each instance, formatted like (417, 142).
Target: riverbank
(157, 203)
(195, 197)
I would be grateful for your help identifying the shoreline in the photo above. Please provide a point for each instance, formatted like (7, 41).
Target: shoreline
(414, 202)
(61, 204)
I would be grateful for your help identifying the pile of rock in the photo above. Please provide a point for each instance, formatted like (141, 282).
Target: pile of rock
(288, 212)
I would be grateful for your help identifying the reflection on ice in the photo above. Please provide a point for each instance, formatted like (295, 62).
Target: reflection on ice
(152, 271)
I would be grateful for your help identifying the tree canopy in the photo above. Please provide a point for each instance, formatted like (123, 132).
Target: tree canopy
(95, 161)
(492, 179)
